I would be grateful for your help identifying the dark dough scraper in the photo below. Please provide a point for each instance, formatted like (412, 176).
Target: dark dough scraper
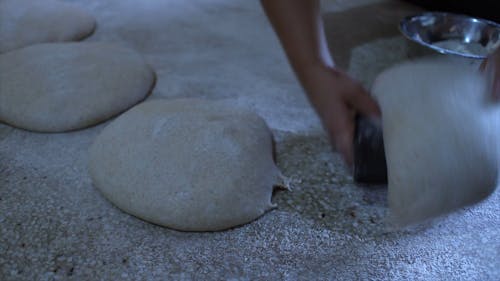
(369, 156)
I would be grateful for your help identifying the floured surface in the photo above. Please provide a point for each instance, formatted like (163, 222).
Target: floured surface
(27, 22)
(441, 133)
(56, 225)
(187, 164)
(57, 87)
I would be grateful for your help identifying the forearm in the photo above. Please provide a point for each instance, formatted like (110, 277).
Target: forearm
(299, 27)
(335, 96)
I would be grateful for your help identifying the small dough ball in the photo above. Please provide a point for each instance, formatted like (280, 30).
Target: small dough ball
(187, 164)
(26, 22)
(57, 87)
(441, 132)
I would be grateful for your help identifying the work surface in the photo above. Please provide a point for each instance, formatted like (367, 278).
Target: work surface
(54, 225)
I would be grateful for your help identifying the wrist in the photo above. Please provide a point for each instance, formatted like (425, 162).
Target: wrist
(316, 75)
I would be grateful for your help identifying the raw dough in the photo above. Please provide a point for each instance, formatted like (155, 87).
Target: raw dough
(187, 164)
(59, 87)
(25, 22)
(441, 133)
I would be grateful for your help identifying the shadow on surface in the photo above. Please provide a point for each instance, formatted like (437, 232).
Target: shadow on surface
(356, 26)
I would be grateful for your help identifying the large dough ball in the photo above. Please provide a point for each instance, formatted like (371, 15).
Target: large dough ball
(58, 87)
(441, 132)
(187, 164)
(26, 22)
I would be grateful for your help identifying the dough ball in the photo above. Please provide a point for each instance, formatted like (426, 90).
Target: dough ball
(441, 132)
(26, 22)
(187, 164)
(59, 87)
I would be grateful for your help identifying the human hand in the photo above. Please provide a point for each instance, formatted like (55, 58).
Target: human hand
(337, 98)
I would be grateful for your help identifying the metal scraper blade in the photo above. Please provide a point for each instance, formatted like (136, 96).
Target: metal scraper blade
(370, 165)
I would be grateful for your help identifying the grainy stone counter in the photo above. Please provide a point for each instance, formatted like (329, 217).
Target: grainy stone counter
(54, 225)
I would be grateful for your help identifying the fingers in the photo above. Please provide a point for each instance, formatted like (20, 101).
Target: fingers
(341, 132)
(362, 102)
(359, 101)
(337, 103)
(343, 144)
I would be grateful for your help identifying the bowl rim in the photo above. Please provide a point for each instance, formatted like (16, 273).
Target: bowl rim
(402, 28)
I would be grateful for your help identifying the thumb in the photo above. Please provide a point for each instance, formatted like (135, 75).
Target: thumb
(364, 103)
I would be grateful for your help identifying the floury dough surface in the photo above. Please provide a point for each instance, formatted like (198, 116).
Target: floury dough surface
(441, 135)
(187, 164)
(26, 22)
(54, 225)
(57, 87)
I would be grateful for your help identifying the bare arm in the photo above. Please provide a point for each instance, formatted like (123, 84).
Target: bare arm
(299, 27)
(335, 96)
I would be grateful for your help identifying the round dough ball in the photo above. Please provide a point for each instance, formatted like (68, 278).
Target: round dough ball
(441, 135)
(60, 87)
(26, 22)
(187, 164)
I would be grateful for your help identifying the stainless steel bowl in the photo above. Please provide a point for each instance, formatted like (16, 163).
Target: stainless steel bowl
(453, 34)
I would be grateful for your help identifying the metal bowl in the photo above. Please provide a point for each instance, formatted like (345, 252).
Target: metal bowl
(453, 34)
